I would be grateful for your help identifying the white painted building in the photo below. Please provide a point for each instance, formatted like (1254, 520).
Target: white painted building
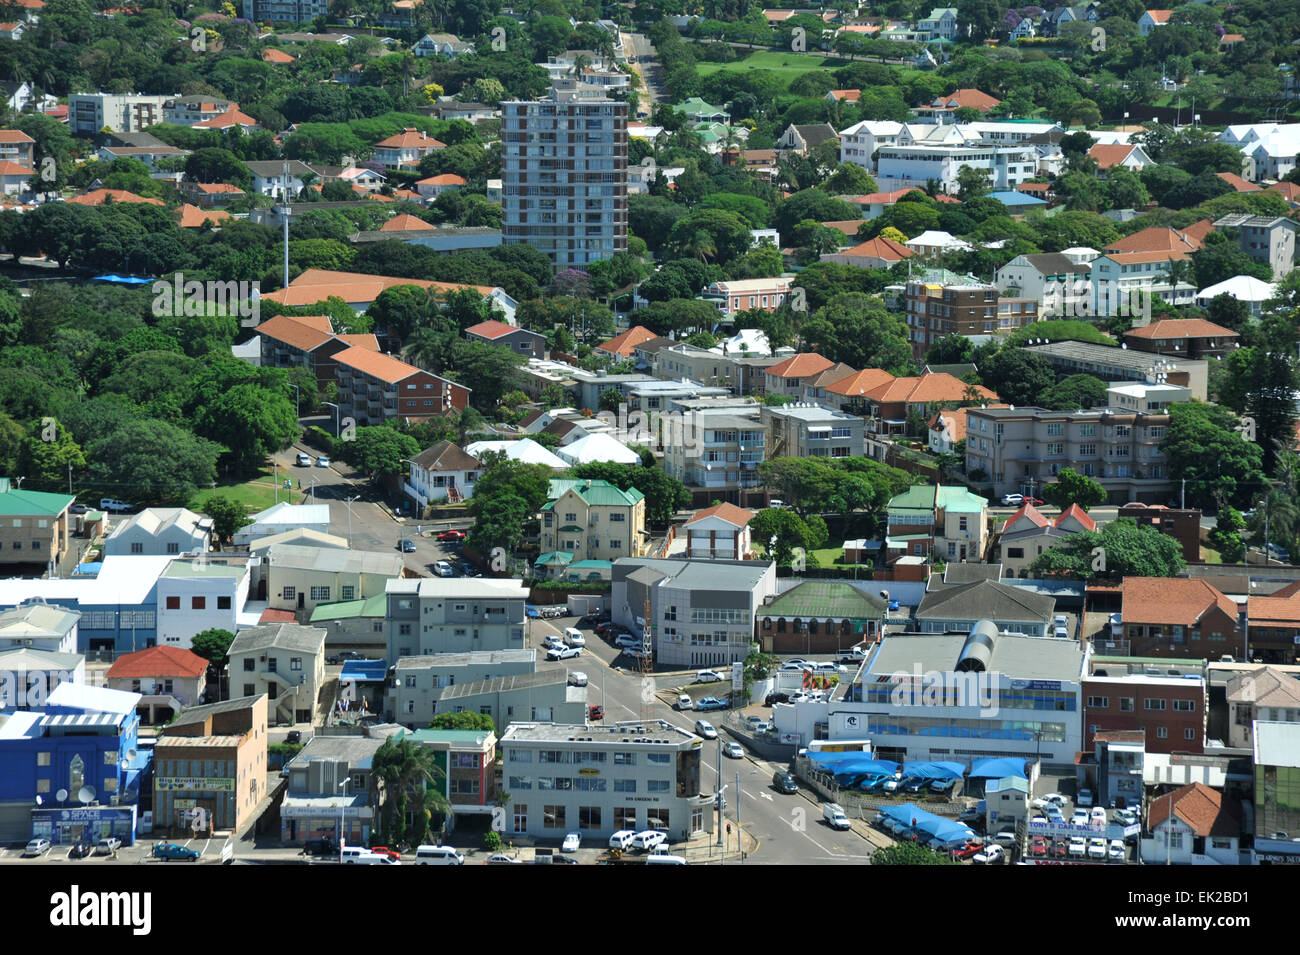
(859, 142)
(198, 595)
(284, 517)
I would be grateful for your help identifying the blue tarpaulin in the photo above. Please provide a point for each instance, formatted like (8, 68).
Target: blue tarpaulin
(940, 830)
(996, 768)
(933, 770)
(858, 764)
(122, 279)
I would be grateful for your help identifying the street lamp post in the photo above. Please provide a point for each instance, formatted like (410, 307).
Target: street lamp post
(297, 398)
(336, 416)
(341, 807)
(348, 501)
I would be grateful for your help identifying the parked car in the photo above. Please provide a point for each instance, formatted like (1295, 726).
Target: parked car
(37, 847)
(113, 505)
(773, 698)
(553, 641)
(989, 854)
(1096, 848)
(705, 729)
(407, 546)
(81, 849)
(1006, 836)
(385, 851)
(1078, 847)
(914, 785)
(453, 537)
(320, 847)
(943, 785)
(683, 702)
(168, 851)
(1098, 816)
(733, 751)
(443, 569)
(78, 509)
(571, 842)
(1051, 799)
(968, 850)
(785, 782)
(627, 641)
(1084, 798)
(304, 459)
(1038, 846)
(469, 570)
(551, 613)
(648, 839)
(757, 725)
(892, 785)
(322, 461)
(894, 604)
(108, 845)
(708, 676)
(573, 637)
(1080, 818)
(710, 703)
(1012, 500)
(531, 611)
(563, 653)
(577, 678)
(595, 712)
(293, 736)
(500, 858)
(968, 815)
(1116, 852)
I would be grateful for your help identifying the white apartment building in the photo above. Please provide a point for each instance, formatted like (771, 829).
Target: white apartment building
(597, 780)
(429, 615)
(1124, 280)
(284, 11)
(198, 595)
(564, 176)
(858, 143)
(802, 430)
(1060, 286)
(1007, 166)
(718, 455)
(88, 113)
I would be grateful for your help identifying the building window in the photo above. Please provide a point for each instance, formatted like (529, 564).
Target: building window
(588, 817)
(290, 593)
(42, 759)
(1189, 734)
(1126, 704)
(1184, 706)
(320, 593)
(1150, 704)
(137, 547)
(1098, 702)
(521, 817)
(248, 689)
(295, 663)
(553, 818)
(349, 593)
(249, 664)
(173, 548)
(173, 603)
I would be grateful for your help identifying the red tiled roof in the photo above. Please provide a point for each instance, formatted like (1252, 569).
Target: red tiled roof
(192, 217)
(1079, 514)
(1178, 601)
(406, 223)
(409, 138)
(490, 329)
(800, 366)
(880, 248)
(360, 341)
(292, 330)
(1159, 16)
(1241, 185)
(846, 96)
(158, 661)
(14, 136)
(1181, 328)
(1156, 239)
(861, 383)
(277, 56)
(1139, 258)
(98, 197)
(271, 615)
(622, 345)
(728, 512)
(1110, 155)
(849, 227)
(377, 365)
(1029, 511)
(8, 168)
(975, 99)
(1205, 810)
(934, 387)
(217, 189)
(231, 117)
(446, 179)
(1289, 190)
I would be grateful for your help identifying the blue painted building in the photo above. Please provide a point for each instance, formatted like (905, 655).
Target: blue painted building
(82, 744)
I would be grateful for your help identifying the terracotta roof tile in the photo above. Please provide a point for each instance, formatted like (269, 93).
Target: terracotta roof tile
(158, 661)
(192, 217)
(862, 382)
(490, 329)
(728, 512)
(1241, 185)
(294, 332)
(1181, 328)
(1177, 601)
(410, 138)
(622, 345)
(800, 366)
(406, 223)
(880, 248)
(98, 197)
(1205, 810)
(975, 99)
(1157, 239)
(377, 365)
(1079, 514)
(1108, 156)
(934, 387)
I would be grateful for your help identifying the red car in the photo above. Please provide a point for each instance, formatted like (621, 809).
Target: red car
(452, 536)
(968, 850)
(597, 712)
(385, 851)
(1038, 847)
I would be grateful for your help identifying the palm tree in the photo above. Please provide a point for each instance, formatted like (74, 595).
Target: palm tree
(1177, 271)
(405, 772)
(699, 246)
(428, 349)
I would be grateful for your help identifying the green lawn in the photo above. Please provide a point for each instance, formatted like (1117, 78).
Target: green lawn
(256, 494)
(789, 65)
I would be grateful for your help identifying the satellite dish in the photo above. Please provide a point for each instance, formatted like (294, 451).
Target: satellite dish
(61, 795)
(40, 801)
(131, 754)
(86, 795)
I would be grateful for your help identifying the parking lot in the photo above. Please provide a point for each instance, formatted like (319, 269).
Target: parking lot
(140, 853)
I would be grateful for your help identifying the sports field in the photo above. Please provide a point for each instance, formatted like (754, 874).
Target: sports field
(789, 65)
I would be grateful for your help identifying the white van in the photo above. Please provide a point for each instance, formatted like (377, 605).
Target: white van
(684, 702)
(835, 817)
(660, 859)
(573, 637)
(355, 855)
(622, 839)
(438, 855)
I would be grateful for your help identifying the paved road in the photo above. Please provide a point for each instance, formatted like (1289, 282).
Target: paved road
(789, 829)
(647, 65)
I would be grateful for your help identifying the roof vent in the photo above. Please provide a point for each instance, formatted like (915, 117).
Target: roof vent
(978, 649)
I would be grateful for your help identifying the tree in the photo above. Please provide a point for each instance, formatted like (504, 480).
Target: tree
(858, 330)
(214, 646)
(972, 183)
(910, 853)
(664, 494)
(1016, 375)
(1228, 312)
(381, 451)
(1226, 536)
(405, 771)
(49, 464)
(227, 514)
(251, 421)
(1122, 548)
(1073, 488)
(152, 461)
(849, 179)
(464, 720)
(1076, 392)
(610, 399)
(1205, 446)
(949, 350)
(487, 370)
(789, 530)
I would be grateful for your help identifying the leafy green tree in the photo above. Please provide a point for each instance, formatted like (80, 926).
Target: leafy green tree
(407, 776)
(1227, 536)
(251, 421)
(488, 371)
(849, 179)
(464, 720)
(227, 514)
(910, 853)
(1207, 447)
(664, 494)
(214, 646)
(1073, 488)
(1074, 392)
(789, 530)
(1018, 376)
(858, 330)
(610, 399)
(50, 464)
(152, 461)
(1122, 548)
(380, 451)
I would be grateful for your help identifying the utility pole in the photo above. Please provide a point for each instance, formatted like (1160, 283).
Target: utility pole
(69, 477)
(717, 799)
(738, 851)
(1182, 496)
(284, 215)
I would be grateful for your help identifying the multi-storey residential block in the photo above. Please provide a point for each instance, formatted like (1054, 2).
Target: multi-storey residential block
(1020, 449)
(404, 150)
(188, 110)
(720, 531)
(419, 681)
(935, 311)
(742, 295)
(1181, 617)
(1170, 709)
(596, 780)
(1182, 524)
(786, 378)
(718, 455)
(859, 142)
(284, 661)
(590, 520)
(1060, 286)
(89, 113)
(465, 761)
(701, 611)
(803, 430)
(1261, 694)
(455, 615)
(307, 341)
(1124, 282)
(564, 176)
(546, 695)
(948, 521)
(1121, 364)
(888, 404)
(1005, 166)
(375, 388)
(1267, 239)
(284, 11)
(1273, 626)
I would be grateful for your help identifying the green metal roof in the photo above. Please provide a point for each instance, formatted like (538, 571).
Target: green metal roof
(825, 598)
(555, 557)
(961, 501)
(376, 606)
(200, 568)
(919, 497)
(22, 503)
(592, 565)
(600, 494)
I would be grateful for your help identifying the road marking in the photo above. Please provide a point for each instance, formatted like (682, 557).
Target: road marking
(766, 796)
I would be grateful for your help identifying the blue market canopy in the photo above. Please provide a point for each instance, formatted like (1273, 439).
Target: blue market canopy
(122, 279)
(911, 818)
(933, 770)
(997, 767)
